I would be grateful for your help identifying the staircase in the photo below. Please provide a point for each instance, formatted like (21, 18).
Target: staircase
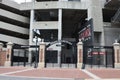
(116, 17)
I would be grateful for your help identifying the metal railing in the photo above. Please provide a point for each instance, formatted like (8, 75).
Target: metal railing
(116, 17)
(107, 1)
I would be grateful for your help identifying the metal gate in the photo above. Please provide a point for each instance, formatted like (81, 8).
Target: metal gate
(98, 57)
(21, 53)
(68, 54)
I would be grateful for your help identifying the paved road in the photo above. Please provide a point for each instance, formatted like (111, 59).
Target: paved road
(25, 73)
(24, 78)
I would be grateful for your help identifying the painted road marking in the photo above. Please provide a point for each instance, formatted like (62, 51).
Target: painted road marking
(91, 74)
(16, 71)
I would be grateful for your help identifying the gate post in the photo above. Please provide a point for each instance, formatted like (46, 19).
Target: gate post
(41, 63)
(1, 55)
(116, 54)
(8, 54)
(1, 46)
(79, 54)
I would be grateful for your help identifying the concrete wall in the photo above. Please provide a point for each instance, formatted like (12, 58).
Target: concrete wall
(95, 12)
(54, 5)
(45, 25)
(14, 28)
(65, 4)
(10, 3)
(103, 3)
(14, 16)
(12, 39)
(111, 33)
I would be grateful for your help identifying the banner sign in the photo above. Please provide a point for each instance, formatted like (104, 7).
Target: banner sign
(86, 34)
(98, 53)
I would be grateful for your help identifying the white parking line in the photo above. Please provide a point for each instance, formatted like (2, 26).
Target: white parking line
(16, 71)
(91, 74)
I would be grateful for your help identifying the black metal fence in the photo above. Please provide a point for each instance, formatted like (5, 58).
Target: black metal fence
(20, 55)
(98, 56)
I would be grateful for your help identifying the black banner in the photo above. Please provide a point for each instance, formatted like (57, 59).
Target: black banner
(86, 34)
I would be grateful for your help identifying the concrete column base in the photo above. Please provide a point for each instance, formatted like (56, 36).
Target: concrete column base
(41, 65)
(7, 63)
(79, 65)
(117, 65)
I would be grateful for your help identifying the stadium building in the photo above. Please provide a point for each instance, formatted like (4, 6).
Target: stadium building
(60, 21)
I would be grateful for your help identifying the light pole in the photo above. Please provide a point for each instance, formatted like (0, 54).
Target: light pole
(36, 39)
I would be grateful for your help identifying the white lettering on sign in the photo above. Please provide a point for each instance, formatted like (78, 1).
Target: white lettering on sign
(98, 53)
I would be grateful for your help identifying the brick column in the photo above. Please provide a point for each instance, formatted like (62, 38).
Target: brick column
(116, 55)
(79, 54)
(8, 54)
(1, 46)
(1, 55)
(41, 63)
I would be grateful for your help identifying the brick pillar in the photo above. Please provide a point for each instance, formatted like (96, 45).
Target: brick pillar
(79, 54)
(41, 63)
(117, 54)
(8, 54)
(1, 46)
(1, 54)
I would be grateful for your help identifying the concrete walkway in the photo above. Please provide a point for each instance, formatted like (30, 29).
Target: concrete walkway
(22, 73)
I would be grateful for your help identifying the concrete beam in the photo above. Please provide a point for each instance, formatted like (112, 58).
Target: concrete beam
(16, 40)
(10, 3)
(54, 5)
(14, 16)
(15, 28)
(106, 24)
(45, 25)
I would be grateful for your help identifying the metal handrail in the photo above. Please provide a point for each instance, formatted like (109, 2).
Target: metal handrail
(116, 16)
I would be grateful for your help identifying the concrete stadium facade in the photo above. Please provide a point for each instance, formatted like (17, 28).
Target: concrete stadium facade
(28, 16)
(59, 20)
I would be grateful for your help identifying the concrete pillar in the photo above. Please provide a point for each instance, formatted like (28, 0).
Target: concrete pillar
(79, 54)
(95, 12)
(116, 55)
(31, 34)
(1, 46)
(8, 54)
(32, 15)
(41, 63)
(31, 26)
(60, 24)
(59, 34)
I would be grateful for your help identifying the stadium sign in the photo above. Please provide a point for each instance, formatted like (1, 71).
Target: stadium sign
(86, 34)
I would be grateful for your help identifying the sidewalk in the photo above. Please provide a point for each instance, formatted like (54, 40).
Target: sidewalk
(22, 73)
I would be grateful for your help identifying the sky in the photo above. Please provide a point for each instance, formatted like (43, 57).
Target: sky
(20, 1)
